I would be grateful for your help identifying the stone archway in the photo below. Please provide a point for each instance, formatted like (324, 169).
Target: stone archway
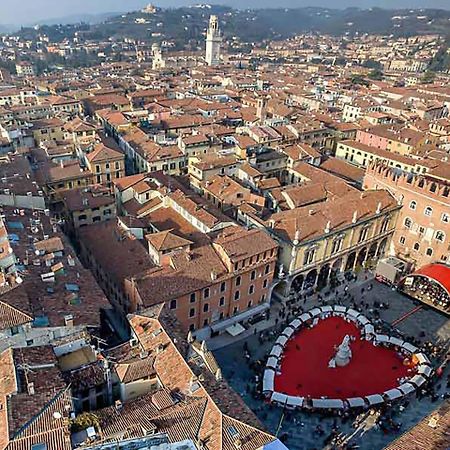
(322, 279)
(382, 248)
(350, 261)
(297, 283)
(361, 257)
(282, 288)
(310, 279)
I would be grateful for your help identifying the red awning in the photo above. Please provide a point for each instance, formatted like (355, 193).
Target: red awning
(440, 273)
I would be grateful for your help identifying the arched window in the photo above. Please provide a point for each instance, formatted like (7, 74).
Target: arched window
(433, 187)
(385, 224)
(429, 251)
(440, 236)
(416, 246)
(413, 205)
(428, 211)
(408, 222)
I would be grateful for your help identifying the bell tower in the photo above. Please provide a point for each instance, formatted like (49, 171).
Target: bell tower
(213, 42)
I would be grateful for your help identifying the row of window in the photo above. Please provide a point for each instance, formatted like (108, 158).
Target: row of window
(255, 259)
(438, 235)
(416, 246)
(428, 211)
(221, 315)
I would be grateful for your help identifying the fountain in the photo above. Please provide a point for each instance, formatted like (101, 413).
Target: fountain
(343, 354)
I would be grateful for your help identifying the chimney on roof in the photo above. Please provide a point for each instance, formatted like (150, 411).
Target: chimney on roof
(379, 208)
(203, 347)
(218, 374)
(297, 237)
(272, 223)
(30, 388)
(190, 338)
(311, 212)
(213, 275)
(61, 164)
(68, 320)
(328, 227)
(355, 216)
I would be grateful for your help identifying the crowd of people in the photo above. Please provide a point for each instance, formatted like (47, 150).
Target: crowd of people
(388, 415)
(428, 291)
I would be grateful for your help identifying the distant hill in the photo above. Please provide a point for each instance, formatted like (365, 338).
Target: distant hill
(187, 24)
(79, 18)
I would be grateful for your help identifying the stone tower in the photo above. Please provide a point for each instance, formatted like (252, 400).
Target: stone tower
(213, 42)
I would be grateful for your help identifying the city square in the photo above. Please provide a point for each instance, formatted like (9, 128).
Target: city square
(368, 428)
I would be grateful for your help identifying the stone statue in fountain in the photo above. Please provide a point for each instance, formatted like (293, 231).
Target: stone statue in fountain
(343, 354)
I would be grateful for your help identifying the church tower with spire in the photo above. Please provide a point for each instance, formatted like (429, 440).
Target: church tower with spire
(213, 42)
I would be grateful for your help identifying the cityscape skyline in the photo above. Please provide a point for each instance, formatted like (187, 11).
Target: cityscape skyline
(29, 12)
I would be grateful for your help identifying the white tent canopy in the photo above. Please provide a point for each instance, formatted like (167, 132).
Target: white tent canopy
(235, 330)
(362, 320)
(422, 358)
(393, 394)
(279, 398)
(407, 388)
(326, 403)
(340, 308)
(304, 317)
(409, 347)
(395, 341)
(272, 362)
(353, 313)
(295, 401)
(295, 324)
(374, 399)
(381, 338)
(424, 370)
(288, 332)
(268, 380)
(369, 329)
(417, 380)
(326, 309)
(356, 402)
(281, 340)
(314, 312)
(276, 351)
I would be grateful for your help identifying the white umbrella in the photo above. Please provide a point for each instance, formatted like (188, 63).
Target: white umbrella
(327, 403)
(395, 341)
(369, 329)
(272, 362)
(424, 370)
(422, 358)
(296, 402)
(295, 324)
(279, 398)
(288, 332)
(374, 399)
(268, 380)
(356, 402)
(305, 316)
(417, 380)
(281, 340)
(407, 388)
(393, 394)
(340, 308)
(409, 347)
(276, 351)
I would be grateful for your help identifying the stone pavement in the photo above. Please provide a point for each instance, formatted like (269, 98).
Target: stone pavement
(298, 427)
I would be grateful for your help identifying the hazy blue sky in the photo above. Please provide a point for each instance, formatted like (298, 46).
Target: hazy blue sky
(28, 11)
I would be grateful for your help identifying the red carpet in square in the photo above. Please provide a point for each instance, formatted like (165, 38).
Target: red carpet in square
(305, 371)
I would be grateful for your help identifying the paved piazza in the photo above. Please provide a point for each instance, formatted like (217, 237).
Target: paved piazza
(301, 430)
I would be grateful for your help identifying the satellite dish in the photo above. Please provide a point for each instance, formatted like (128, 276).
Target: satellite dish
(57, 415)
